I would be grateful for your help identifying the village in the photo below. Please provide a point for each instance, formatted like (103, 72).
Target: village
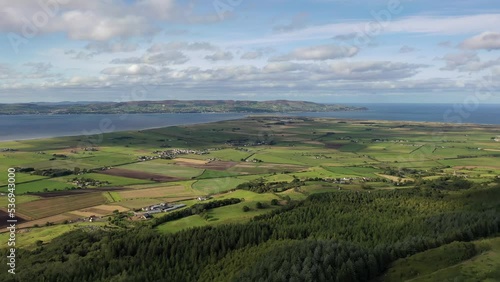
(171, 154)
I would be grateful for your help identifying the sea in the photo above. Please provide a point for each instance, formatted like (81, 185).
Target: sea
(22, 127)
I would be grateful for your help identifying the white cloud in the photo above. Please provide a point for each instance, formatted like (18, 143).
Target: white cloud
(163, 58)
(181, 45)
(319, 53)
(39, 67)
(467, 62)
(130, 70)
(97, 20)
(161, 9)
(251, 55)
(485, 40)
(280, 67)
(439, 25)
(111, 47)
(91, 26)
(220, 56)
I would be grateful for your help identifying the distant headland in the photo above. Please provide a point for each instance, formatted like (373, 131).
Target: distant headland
(173, 106)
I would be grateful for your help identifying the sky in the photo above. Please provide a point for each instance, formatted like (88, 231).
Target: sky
(332, 51)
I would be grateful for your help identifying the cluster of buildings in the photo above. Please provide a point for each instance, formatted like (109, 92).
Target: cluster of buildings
(86, 182)
(345, 180)
(159, 208)
(171, 154)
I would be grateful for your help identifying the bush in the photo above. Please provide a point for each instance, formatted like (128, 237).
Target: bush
(246, 209)
(274, 202)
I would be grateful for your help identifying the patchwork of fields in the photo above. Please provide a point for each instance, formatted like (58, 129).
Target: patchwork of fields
(124, 171)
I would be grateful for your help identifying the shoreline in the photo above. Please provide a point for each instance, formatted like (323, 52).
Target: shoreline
(263, 115)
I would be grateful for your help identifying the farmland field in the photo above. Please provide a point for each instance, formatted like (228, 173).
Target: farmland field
(42, 185)
(303, 148)
(159, 192)
(58, 205)
(218, 185)
(268, 167)
(164, 168)
(138, 174)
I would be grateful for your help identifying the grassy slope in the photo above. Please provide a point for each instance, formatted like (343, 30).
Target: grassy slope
(451, 262)
(28, 237)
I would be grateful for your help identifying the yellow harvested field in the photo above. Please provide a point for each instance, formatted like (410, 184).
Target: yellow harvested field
(42, 221)
(139, 203)
(111, 208)
(314, 142)
(244, 165)
(177, 199)
(80, 213)
(101, 210)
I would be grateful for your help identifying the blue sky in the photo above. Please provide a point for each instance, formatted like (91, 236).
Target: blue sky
(342, 51)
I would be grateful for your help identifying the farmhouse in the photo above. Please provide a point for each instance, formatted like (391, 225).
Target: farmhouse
(155, 207)
(162, 207)
(93, 218)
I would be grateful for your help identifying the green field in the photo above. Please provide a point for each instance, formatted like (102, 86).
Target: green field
(28, 238)
(458, 261)
(217, 185)
(215, 174)
(164, 168)
(224, 215)
(19, 199)
(42, 185)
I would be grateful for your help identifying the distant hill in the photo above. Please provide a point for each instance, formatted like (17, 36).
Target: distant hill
(172, 106)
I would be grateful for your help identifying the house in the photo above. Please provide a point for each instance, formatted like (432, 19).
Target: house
(147, 216)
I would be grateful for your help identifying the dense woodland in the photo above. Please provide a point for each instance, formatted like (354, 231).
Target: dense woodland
(337, 236)
(261, 186)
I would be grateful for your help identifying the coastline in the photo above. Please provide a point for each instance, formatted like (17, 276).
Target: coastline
(30, 127)
(265, 115)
